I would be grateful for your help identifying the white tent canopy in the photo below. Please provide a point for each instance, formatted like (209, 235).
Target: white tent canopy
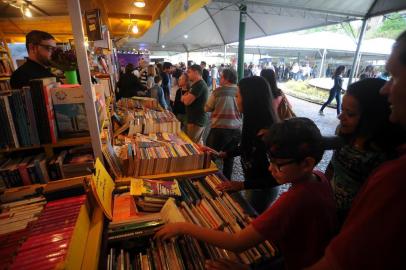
(217, 23)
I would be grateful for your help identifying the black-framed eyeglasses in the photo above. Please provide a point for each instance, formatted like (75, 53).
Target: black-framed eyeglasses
(279, 166)
(49, 48)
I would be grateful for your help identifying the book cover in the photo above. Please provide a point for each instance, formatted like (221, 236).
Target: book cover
(70, 112)
(160, 188)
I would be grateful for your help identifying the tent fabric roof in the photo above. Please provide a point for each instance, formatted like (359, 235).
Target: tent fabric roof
(217, 23)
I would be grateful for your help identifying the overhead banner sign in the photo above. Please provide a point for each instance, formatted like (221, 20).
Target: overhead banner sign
(177, 11)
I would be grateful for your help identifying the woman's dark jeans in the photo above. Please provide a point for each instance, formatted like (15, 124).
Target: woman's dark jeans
(333, 94)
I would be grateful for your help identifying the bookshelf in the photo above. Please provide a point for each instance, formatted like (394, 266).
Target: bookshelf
(48, 148)
(6, 66)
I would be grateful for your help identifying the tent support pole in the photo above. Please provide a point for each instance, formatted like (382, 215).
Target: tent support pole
(322, 62)
(241, 41)
(89, 94)
(225, 54)
(357, 54)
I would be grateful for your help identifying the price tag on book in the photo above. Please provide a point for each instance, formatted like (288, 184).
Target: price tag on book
(103, 185)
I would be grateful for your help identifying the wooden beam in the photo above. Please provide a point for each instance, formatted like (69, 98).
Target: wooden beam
(159, 10)
(104, 13)
(130, 16)
(29, 3)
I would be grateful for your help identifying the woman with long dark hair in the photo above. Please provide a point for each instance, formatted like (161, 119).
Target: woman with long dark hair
(277, 93)
(370, 139)
(335, 92)
(254, 101)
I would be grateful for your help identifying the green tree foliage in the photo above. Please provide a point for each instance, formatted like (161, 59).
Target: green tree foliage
(392, 26)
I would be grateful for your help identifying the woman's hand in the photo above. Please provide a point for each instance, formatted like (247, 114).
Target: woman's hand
(230, 186)
(170, 230)
(223, 264)
(222, 154)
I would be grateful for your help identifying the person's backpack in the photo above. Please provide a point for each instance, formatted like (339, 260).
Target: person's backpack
(284, 110)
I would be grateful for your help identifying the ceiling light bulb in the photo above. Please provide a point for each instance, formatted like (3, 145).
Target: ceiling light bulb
(27, 12)
(163, 46)
(185, 36)
(134, 29)
(139, 3)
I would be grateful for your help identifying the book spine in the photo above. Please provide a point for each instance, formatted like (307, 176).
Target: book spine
(11, 123)
(50, 113)
(31, 116)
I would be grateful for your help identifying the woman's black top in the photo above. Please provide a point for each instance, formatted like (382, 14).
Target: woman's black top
(255, 165)
(178, 106)
(129, 84)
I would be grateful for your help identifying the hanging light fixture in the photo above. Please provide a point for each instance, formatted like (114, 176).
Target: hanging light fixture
(27, 12)
(139, 3)
(134, 29)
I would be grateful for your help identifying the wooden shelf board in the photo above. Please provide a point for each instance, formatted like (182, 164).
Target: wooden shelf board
(60, 143)
(193, 173)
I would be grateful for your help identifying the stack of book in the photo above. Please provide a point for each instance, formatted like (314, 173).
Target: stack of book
(60, 232)
(131, 115)
(138, 103)
(15, 221)
(158, 153)
(151, 195)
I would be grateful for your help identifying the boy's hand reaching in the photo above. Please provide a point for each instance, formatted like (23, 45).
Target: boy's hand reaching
(170, 230)
(230, 186)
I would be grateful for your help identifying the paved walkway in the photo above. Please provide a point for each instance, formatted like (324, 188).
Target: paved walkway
(326, 123)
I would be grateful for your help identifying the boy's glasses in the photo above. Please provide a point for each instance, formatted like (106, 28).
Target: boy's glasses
(280, 165)
(49, 48)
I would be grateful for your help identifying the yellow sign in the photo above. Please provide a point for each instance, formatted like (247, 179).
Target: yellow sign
(103, 185)
(177, 11)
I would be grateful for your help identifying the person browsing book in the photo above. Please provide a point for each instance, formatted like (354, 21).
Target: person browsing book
(40, 46)
(226, 122)
(254, 101)
(302, 221)
(194, 101)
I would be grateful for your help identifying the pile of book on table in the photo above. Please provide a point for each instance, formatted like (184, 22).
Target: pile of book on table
(16, 219)
(130, 235)
(36, 234)
(154, 154)
(140, 119)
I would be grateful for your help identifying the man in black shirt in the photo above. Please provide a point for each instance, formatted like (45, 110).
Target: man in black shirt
(205, 72)
(40, 46)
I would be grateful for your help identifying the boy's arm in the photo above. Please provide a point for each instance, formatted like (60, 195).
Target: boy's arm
(236, 242)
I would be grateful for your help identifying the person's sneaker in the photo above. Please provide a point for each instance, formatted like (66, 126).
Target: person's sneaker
(321, 113)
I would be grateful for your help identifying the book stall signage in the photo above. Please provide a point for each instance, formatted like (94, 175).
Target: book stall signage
(102, 186)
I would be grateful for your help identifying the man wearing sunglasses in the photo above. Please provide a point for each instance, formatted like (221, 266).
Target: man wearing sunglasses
(40, 46)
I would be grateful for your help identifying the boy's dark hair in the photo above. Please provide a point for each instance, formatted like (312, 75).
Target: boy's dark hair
(230, 75)
(166, 65)
(197, 68)
(295, 138)
(35, 37)
(157, 79)
(203, 63)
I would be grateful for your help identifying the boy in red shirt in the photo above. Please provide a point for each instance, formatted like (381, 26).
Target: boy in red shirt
(302, 221)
